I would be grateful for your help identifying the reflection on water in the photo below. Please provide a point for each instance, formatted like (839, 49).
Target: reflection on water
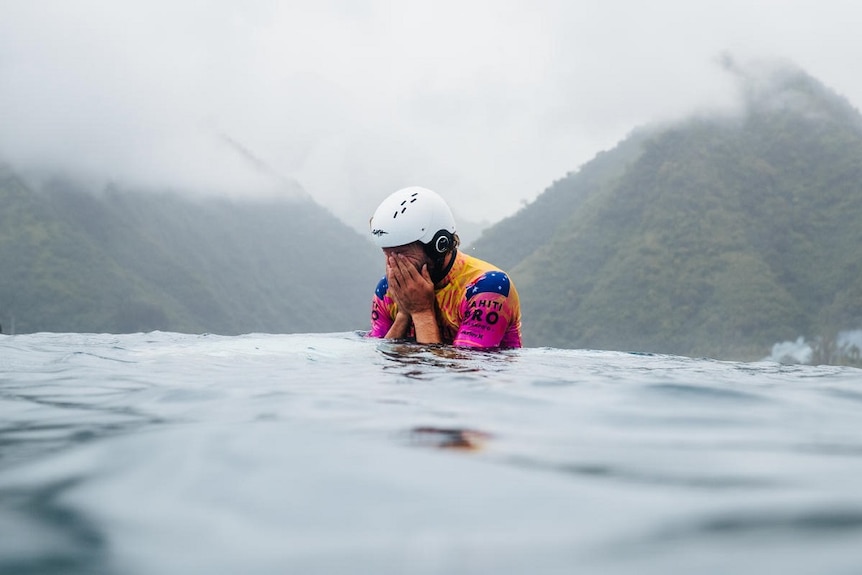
(743, 523)
(331, 453)
(691, 478)
(424, 362)
(451, 438)
(60, 413)
(43, 535)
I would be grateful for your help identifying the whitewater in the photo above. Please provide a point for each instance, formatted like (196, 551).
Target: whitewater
(334, 453)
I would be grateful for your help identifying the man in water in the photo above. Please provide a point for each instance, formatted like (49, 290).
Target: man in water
(431, 291)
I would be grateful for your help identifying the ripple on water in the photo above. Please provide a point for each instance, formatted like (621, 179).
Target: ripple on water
(260, 437)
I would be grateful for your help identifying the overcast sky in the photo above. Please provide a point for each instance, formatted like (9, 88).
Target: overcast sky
(487, 102)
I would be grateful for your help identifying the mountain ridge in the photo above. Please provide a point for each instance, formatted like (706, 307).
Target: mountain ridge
(713, 236)
(119, 260)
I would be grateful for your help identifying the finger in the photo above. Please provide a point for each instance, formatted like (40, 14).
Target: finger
(396, 282)
(426, 275)
(407, 268)
(395, 269)
(393, 272)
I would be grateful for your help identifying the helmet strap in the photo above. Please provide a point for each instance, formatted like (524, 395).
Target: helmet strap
(438, 271)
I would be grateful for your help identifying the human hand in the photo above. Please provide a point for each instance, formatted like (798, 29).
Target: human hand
(410, 288)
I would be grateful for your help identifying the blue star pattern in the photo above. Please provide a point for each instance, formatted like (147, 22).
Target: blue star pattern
(382, 288)
(490, 282)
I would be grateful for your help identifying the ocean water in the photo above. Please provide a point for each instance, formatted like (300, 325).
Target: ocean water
(331, 453)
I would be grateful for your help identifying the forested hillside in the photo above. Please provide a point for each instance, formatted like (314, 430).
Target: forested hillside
(122, 261)
(714, 237)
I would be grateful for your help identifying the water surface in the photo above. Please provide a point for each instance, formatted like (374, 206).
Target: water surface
(330, 453)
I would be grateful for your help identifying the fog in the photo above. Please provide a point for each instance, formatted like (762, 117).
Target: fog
(486, 102)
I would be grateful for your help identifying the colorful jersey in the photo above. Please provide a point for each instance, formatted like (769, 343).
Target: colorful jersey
(477, 307)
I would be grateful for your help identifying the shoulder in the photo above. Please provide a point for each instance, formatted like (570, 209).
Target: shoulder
(491, 281)
(382, 288)
(486, 278)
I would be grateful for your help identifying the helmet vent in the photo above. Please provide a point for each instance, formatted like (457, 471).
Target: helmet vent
(404, 206)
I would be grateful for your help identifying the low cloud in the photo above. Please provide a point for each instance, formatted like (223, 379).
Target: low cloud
(485, 103)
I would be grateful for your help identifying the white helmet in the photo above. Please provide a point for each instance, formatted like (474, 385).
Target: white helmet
(412, 214)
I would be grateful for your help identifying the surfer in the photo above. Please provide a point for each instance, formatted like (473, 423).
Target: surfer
(431, 291)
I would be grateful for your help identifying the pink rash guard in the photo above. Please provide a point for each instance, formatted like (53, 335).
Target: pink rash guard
(477, 306)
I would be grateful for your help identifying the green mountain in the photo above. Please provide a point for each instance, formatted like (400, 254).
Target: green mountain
(712, 236)
(123, 261)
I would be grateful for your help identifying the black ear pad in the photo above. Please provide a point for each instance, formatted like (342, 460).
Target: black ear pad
(440, 244)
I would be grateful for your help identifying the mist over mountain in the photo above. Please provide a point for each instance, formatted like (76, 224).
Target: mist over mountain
(714, 236)
(118, 260)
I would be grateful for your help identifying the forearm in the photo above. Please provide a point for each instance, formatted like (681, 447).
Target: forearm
(400, 329)
(426, 328)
